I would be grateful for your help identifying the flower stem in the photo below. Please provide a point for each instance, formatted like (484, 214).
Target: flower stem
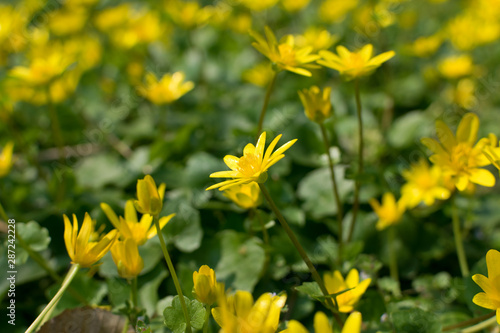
(393, 259)
(335, 192)
(265, 234)
(457, 234)
(270, 88)
(67, 280)
(133, 292)
(469, 322)
(480, 326)
(300, 249)
(207, 317)
(355, 207)
(172, 272)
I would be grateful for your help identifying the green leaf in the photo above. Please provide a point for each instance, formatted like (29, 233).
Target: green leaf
(148, 293)
(311, 289)
(408, 128)
(174, 316)
(241, 261)
(33, 235)
(185, 229)
(415, 321)
(99, 170)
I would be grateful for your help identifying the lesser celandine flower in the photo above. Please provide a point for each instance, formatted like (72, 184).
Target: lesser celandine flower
(336, 284)
(149, 197)
(322, 325)
(294, 5)
(260, 75)
(253, 165)
(205, 287)
(353, 65)
(318, 38)
(424, 184)
(169, 88)
(426, 46)
(239, 313)
(456, 66)
(285, 54)
(83, 250)
(245, 195)
(493, 154)
(316, 103)
(490, 297)
(390, 212)
(6, 159)
(459, 156)
(127, 259)
(130, 226)
(464, 94)
(334, 11)
(258, 5)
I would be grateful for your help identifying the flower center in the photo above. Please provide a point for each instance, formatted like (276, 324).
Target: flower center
(249, 165)
(287, 54)
(462, 158)
(355, 61)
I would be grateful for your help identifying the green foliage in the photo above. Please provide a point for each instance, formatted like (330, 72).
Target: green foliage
(415, 321)
(34, 236)
(174, 317)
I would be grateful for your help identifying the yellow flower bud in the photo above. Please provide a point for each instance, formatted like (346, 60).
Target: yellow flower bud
(245, 195)
(127, 259)
(205, 285)
(316, 103)
(149, 197)
(6, 159)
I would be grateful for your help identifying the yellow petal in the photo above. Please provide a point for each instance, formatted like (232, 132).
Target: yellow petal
(352, 279)
(130, 212)
(381, 58)
(68, 239)
(232, 162)
(445, 135)
(163, 222)
(110, 213)
(259, 148)
(493, 263)
(482, 177)
(485, 284)
(366, 52)
(484, 301)
(321, 323)
(353, 323)
(467, 129)
(295, 327)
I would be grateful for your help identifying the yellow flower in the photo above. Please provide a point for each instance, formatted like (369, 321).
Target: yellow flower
(239, 313)
(456, 66)
(260, 75)
(253, 165)
(424, 184)
(334, 11)
(285, 55)
(81, 248)
(130, 227)
(334, 283)
(258, 5)
(294, 5)
(490, 298)
(316, 103)
(127, 259)
(464, 95)
(206, 286)
(322, 325)
(245, 195)
(6, 159)
(457, 156)
(390, 212)
(352, 65)
(168, 89)
(492, 152)
(66, 21)
(426, 46)
(149, 197)
(188, 14)
(13, 31)
(319, 39)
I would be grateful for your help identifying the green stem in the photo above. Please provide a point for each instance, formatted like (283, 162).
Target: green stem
(207, 317)
(335, 192)
(300, 249)
(69, 277)
(133, 292)
(469, 322)
(172, 272)
(393, 259)
(457, 234)
(270, 88)
(355, 207)
(480, 326)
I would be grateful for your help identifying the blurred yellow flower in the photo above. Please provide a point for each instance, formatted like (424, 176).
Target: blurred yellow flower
(168, 89)
(335, 284)
(426, 46)
(458, 156)
(334, 11)
(490, 298)
(149, 197)
(424, 184)
(130, 227)
(294, 5)
(260, 75)
(66, 21)
(317, 38)
(390, 212)
(285, 54)
(42, 69)
(240, 23)
(245, 195)
(322, 325)
(253, 165)
(456, 66)
(492, 152)
(352, 65)
(239, 313)
(464, 94)
(12, 32)
(206, 287)
(83, 250)
(316, 103)
(114, 17)
(6, 159)
(467, 31)
(126, 256)
(188, 14)
(258, 5)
